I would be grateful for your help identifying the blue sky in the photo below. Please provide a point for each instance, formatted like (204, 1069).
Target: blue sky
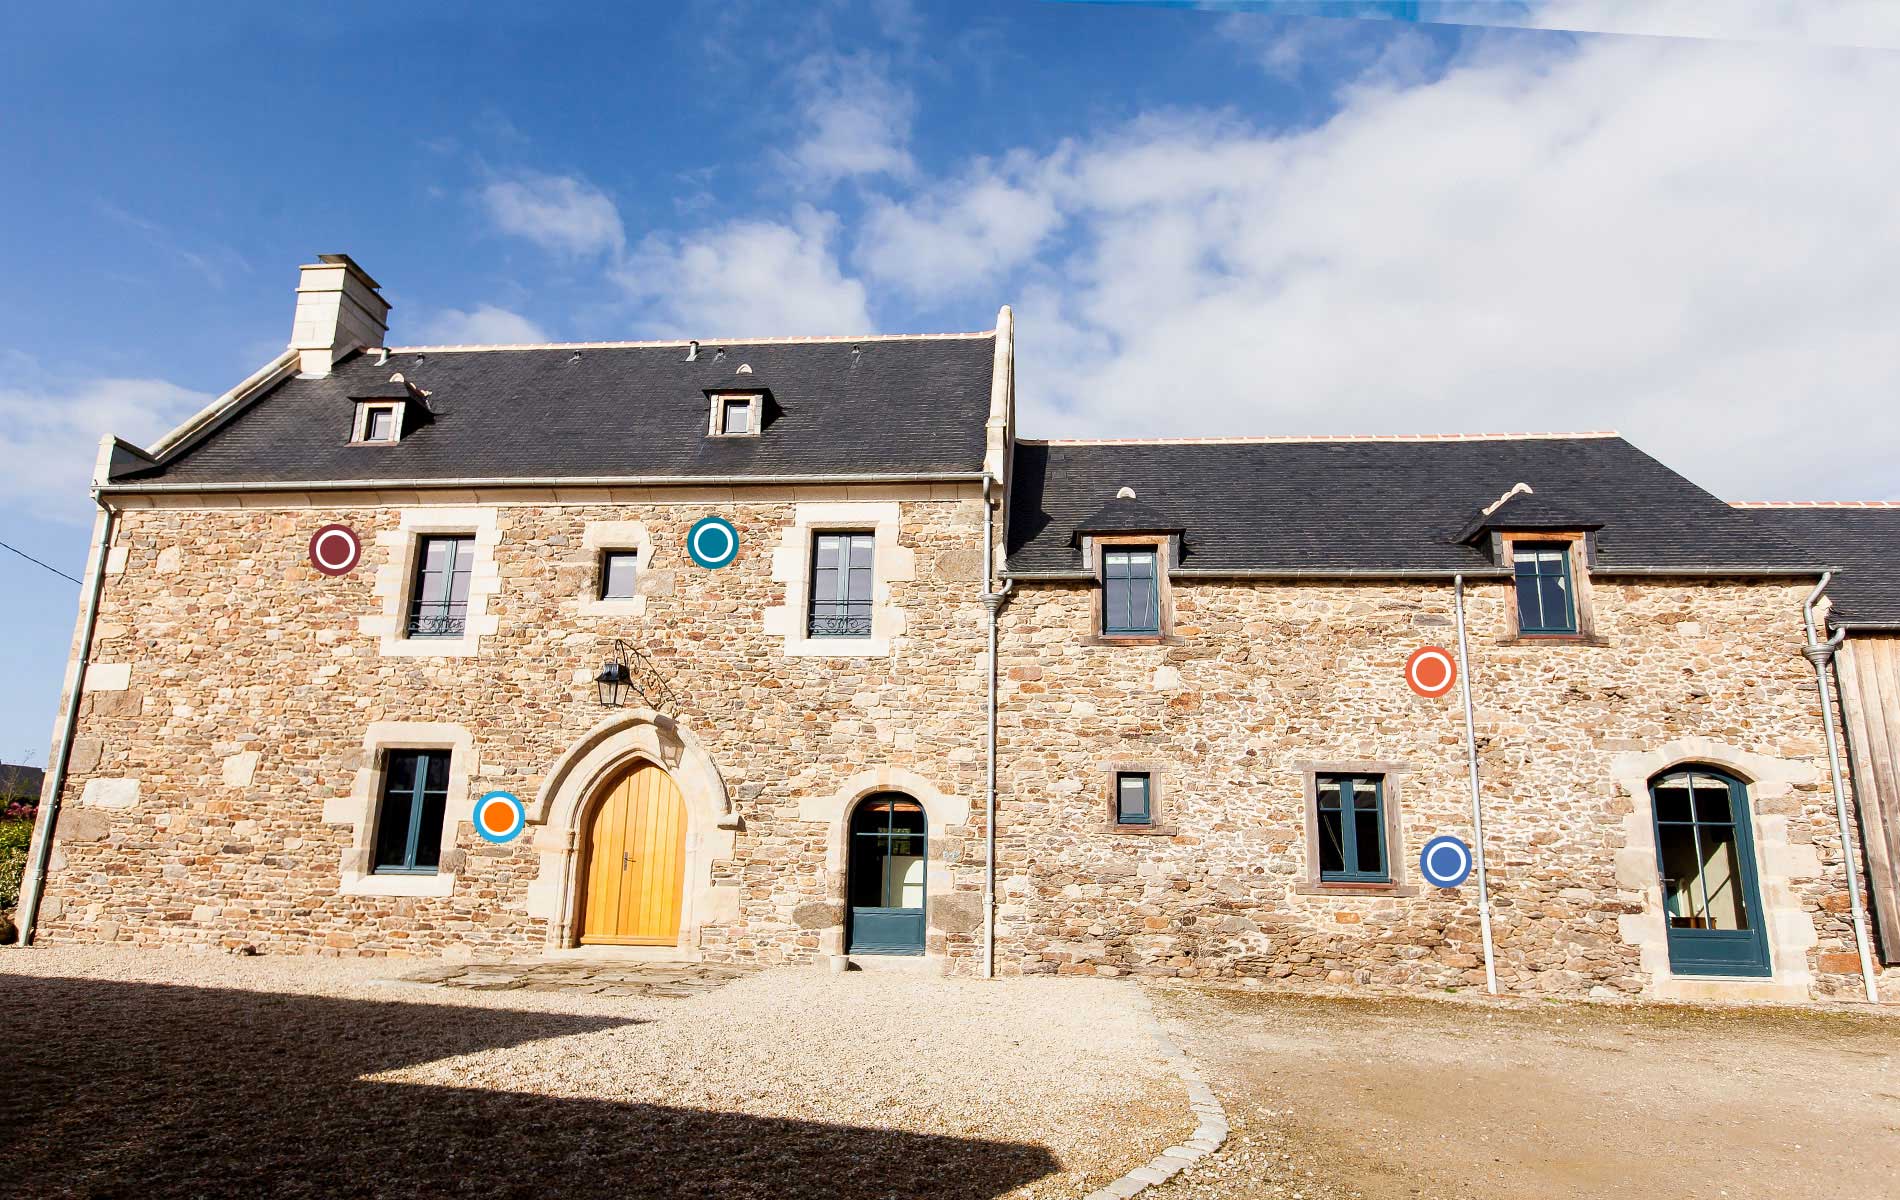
(1208, 221)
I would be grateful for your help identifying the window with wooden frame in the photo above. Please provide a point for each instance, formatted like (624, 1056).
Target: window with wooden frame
(1546, 594)
(1131, 590)
(1352, 829)
(438, 599)
(410, 815)
(619, 574)
(842, 573)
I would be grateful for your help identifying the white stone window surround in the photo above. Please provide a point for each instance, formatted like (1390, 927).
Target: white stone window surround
(1781, 864)
(396, 578)
(597, 539)
(360, 809)
(791, 565)
(359, 433)
(755, 413)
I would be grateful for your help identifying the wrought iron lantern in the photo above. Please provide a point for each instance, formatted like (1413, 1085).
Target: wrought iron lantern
(630, 673)
(614, 682)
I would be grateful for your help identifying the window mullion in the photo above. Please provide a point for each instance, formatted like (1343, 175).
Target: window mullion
(415, 811)
(1348, 829)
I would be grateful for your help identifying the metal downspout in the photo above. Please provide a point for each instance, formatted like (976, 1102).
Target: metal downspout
(35, 883)
(1821, 653)
(993, 603)
(1477, 807)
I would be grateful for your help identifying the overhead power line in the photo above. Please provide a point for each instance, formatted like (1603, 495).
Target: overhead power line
(36, 562)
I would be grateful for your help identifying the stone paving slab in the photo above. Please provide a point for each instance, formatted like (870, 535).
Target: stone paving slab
(598, 978)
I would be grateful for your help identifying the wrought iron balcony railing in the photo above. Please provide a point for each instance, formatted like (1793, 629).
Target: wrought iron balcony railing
(437, 620)
(840, 619)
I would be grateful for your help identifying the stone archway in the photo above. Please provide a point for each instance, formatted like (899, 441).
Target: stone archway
(559, 812)
(1782, 864)
(948, 910)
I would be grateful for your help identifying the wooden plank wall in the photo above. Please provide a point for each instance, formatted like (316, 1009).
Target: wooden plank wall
(1869, 672)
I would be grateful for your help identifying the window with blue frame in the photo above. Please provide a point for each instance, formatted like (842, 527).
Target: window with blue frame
(1546, 602)
(1352, 829)
(438, 605)
(1134, 798)
(409, 823)
(1131, 591)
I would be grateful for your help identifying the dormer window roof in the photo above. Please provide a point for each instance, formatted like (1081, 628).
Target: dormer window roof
(1523, 510)
(385, 411)
(1126, 513)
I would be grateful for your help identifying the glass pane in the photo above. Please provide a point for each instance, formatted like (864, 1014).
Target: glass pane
(863, 546)
(1681, 872)
(429, 832)
(828, 549)
(1721, 881)
(1115, 564)
(824, 585)
(1141, 564)
(438, 772)
(1711, 801)
(1556, 603)
(618, 579)
(392, 829)
(1132, 799)
(401, 773)
(860, 584)
(1328, 790)
(1672, 799)
(907, 882)
(458, 587)
(738, 416)
(382, 424)
(1332, 851)
(1365, 816)
(1530, 611)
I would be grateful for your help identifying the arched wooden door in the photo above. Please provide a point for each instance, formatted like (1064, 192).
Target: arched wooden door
(636, 861)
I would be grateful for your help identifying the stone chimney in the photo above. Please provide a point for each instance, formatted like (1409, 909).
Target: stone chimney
(339, 310)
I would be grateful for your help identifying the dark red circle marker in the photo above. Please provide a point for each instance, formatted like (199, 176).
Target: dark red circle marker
(335, 550)
(1431, 671)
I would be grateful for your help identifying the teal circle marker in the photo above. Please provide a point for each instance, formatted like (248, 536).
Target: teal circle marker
(500, 816)
(713, 542)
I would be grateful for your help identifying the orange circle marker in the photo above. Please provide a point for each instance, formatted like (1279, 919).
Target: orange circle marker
(1431, 671)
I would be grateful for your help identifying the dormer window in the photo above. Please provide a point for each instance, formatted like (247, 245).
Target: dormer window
(378, 424)
(737, 414)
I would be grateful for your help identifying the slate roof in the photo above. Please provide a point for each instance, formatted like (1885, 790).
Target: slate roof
(898, 406)
(1123, 515)
(1862, 542)
(1380, 506)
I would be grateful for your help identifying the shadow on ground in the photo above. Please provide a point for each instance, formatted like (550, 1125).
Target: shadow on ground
(125, 1088)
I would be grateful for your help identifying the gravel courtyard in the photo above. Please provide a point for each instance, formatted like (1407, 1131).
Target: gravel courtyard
(1420, 1099)
(170, 1074)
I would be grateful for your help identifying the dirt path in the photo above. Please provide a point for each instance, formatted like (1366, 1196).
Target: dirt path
(1422, 1099)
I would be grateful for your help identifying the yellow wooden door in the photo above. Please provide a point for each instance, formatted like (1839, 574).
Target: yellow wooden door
(636, 862)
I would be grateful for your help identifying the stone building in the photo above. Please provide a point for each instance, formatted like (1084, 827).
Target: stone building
(728, 649)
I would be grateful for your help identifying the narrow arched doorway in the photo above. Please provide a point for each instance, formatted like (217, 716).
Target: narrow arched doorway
(1706, 852)
(635, 861)
(885, 876)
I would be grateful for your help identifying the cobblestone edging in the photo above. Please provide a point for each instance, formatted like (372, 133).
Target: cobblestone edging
(1209, 1133)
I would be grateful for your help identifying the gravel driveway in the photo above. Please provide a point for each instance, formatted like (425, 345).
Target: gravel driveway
(157, 1074)
(1420, 1100)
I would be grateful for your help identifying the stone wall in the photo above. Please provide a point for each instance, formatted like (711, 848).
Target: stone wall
(1264, 681)
(232, 686)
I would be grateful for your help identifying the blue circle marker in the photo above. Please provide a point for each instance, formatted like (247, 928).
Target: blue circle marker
(1445, 861)
(500, 816)
(713, 542)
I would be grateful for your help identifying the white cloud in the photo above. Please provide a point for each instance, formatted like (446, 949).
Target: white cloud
(965, 232)
(856, 121)
(562, 213)
(748, 278)
(49, 436)
(484, 325)
(1823, 22)
(1694, 242)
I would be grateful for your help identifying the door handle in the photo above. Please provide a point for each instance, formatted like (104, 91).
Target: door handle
(625, 859)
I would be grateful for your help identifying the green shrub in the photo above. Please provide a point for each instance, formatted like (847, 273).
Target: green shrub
(14, 839)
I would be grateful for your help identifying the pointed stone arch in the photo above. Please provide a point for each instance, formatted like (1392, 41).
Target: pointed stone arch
(558, 818)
